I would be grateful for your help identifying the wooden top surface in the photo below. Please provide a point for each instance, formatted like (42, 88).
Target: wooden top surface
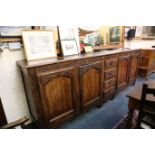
(137, 91)
(35, 63)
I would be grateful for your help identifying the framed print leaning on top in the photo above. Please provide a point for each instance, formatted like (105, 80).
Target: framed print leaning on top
(70, 32)
(69, 47)
(55, 34)
(39, 44)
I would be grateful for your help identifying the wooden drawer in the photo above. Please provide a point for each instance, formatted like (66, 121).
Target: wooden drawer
(108, 94)
(111, 63)
(110, 90)
(110, 73)
(109, 83)
(89, 61)
(55, 66)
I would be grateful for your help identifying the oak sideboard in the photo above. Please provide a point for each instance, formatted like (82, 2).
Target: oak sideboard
(59, 89)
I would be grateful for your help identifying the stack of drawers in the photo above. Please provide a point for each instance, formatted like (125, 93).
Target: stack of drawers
(146, 63)
(110, 76)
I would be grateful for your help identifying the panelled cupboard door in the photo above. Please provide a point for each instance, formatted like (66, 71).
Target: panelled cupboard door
(123, 70)
(59, 95)
(133, 67)
(90, 85)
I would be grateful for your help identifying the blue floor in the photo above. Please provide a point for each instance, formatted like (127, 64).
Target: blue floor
(108, 115)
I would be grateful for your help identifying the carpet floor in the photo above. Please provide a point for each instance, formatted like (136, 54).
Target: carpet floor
(106, 117)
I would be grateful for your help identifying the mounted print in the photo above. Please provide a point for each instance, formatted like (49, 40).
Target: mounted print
(56, 36)
(39, 44)
(67, 32)
(69, 47)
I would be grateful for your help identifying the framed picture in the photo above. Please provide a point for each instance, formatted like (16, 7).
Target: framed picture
(69, 47)
(56, 36)
(114, 35)
(67, 32)
(39, 44)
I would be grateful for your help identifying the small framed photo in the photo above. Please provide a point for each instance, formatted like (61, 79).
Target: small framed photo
(69, 47)
(39, 44)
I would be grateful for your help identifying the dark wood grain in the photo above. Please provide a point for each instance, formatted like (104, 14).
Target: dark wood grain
(109, 83)
(91, 85)
(142, 98)
(133, 68)
(59, 89)
(123, 69)
(58, 93)
(42, 62)
(111, 63)
(110, 76)
(110, 73)
(147, 62)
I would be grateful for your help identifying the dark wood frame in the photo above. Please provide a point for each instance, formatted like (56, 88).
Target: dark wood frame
(147, 103)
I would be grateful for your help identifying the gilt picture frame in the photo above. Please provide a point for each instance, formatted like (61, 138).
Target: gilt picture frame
(39, 44)
(114, 35)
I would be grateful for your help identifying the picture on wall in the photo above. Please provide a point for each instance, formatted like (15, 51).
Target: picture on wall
(69, 47)
(13, 31)
(114, 35)
(39, 44)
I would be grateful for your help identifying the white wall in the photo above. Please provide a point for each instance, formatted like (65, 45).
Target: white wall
(139, 44)
(11, 86)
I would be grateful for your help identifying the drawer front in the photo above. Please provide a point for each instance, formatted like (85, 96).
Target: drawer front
(55, 66)
(109, 83)
(109, 91)
(110, 73)
(111, 63)
(109, 94)
(89, 61)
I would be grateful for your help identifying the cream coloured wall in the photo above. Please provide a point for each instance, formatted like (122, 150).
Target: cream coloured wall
(139, 44)
(11, 86)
